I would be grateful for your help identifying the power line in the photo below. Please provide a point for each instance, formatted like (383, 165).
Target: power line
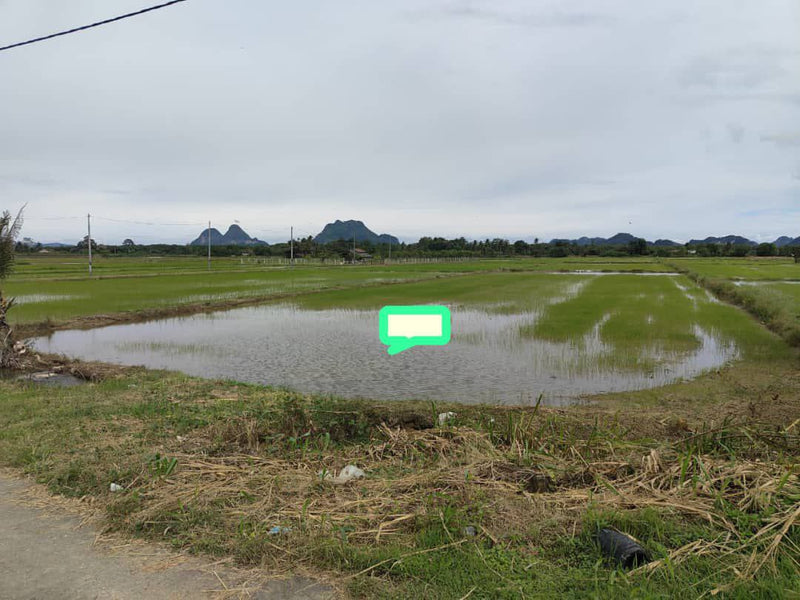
(90, 26)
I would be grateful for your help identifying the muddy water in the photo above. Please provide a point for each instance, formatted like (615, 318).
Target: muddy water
(338, 352)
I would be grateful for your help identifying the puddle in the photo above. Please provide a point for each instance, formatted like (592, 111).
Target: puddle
(766, 282)
(573, 291)
(37, 298)
(589, 272)
(338, 352)
(687, 294)
(50, 379)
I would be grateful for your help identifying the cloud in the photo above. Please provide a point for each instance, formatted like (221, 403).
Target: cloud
(782, 140)
(736, 132)
(420, 117)
(541, 19)
(735, 69)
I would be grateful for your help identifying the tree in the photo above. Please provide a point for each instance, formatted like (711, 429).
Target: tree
(129, 243)
(637, 246)
(766, 250)
(9, 230)
(84, 243)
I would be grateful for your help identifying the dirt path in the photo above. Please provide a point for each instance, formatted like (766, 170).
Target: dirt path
(46, 551)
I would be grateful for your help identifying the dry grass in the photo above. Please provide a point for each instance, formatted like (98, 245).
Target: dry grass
(408, 469)
(703, 485)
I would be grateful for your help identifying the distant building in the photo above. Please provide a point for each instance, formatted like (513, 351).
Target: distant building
(362, 254)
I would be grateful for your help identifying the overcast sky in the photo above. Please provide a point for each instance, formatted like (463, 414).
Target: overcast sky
(482, 119)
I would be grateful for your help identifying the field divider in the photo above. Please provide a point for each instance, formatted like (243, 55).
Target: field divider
(769, 312)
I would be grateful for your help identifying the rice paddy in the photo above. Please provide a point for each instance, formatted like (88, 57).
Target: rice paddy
(122, 285)
(747, 269)
(495, 502)
(519, 337)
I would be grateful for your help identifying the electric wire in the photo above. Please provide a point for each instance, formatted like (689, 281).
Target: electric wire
(91, 25)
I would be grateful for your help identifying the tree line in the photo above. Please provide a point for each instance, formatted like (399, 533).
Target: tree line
(426, 247)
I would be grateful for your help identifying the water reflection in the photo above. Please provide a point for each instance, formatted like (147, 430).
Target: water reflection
(338, 352)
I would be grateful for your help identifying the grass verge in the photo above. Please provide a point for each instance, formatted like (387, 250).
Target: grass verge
(708, 484)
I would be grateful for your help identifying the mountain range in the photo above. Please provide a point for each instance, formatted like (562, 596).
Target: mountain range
(786, 241)
(622, 239)
(735, 240)
(235, 236)
(348, 230)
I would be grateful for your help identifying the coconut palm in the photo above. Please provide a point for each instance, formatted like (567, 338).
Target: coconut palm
(9, 230)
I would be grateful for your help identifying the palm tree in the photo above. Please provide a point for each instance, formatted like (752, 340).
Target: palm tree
(9, 230)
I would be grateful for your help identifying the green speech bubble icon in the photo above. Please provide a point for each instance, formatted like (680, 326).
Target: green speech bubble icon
(403, 327)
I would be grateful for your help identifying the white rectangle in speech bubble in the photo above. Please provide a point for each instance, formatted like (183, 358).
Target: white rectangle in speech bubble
(408, 326)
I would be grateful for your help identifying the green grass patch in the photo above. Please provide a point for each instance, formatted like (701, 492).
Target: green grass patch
(211, 467)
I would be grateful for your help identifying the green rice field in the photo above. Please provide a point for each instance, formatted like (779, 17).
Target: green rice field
(749, 269)
(627, 323)
(765, 287)
(59, 288)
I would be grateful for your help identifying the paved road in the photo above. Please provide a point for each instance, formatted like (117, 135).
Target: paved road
(45, 554)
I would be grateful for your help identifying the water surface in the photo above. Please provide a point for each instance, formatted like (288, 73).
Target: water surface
(338, 352)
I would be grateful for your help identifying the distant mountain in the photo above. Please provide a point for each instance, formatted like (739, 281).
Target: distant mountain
(736, 240)
(666, 243)
(620, 239)
(587, 241)
(346, 230)
(56, 245)
(202, 239)
(235, 236)
(785, 240)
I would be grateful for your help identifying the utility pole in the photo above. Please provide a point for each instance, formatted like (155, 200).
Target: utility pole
(390, 249)
(354, 248)
(89, 227)
(209, 245)
(291, 245)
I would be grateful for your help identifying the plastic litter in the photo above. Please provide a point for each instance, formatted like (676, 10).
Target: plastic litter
(115, 487)
(623, 549)
(279, 530)
(445, 417)
(469, 531)
(348, 473)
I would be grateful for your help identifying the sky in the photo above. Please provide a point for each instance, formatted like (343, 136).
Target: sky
(513, 119)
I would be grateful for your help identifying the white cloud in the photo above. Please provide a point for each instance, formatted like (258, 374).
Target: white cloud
(475, 118)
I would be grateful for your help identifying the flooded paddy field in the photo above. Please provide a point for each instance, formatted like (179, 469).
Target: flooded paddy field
(57, 289)
(767, 288)
(515, 336)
